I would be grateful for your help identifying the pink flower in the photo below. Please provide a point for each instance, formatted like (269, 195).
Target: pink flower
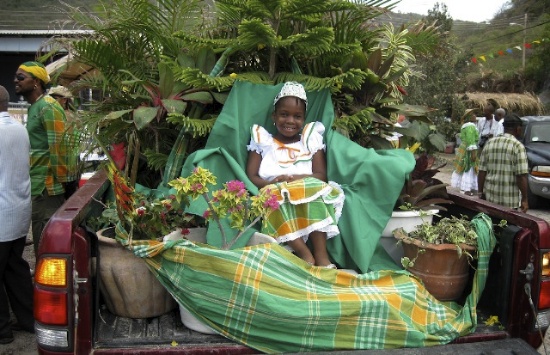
(196, 187)
(185, 231)
(235, 186)
(272, 203)
(206, 214)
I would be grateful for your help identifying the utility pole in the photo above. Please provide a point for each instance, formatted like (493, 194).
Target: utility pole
(524, 41)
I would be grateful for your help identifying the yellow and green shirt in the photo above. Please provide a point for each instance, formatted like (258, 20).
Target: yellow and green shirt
(49, 155)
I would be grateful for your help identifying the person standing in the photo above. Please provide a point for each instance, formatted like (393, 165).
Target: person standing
(464, 176)
(46, 126)
(499, 115)
(65, 98)
(16, 288)
(503, 167)
(487, 126)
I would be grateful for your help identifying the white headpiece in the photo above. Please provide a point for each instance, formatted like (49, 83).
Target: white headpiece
(292, 88)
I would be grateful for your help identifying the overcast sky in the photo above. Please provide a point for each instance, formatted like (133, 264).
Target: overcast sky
(466, 10)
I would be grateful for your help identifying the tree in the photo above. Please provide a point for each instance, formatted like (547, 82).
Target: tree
(438, 83)
(538, 66)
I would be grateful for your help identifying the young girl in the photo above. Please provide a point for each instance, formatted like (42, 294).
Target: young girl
(292, 165)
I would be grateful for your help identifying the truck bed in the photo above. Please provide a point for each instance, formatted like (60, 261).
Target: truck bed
(166, 334)
(113, 331)
(160, 332)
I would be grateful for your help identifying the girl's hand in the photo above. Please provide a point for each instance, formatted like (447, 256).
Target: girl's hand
(283, 178)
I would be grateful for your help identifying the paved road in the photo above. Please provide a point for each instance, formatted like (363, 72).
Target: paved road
(445, 176)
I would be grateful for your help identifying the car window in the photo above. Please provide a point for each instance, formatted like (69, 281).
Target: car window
(540, 132)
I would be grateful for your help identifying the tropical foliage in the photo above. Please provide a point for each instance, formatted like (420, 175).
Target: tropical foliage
(164, 70)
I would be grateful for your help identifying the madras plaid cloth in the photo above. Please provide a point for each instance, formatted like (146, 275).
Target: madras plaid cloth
(266, 298)
(305, 205)
(49, 153)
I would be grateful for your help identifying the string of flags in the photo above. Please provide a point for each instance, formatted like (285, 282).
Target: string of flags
(502, 52)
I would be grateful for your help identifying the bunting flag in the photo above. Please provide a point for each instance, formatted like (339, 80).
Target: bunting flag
(503, 52)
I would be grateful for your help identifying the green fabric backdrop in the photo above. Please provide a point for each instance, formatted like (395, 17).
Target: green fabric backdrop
(371, 180)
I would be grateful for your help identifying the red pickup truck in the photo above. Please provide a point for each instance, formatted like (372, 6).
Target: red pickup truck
(71, 319)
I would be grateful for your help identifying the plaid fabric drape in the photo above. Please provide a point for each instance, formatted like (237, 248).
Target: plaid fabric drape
(266, 298)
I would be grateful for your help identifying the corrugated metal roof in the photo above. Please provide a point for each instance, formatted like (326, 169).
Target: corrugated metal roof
(43, 32)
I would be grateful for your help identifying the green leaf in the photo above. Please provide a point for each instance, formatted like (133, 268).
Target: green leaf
(186, 61)
(144, 115)
(166, 82)
(206, 60)
(438, 140)
(176, 106)
(116, 114)
(220, 97)
(375, 58)
(203, 97)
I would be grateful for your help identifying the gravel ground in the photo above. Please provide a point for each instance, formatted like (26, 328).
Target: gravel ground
(24, 343)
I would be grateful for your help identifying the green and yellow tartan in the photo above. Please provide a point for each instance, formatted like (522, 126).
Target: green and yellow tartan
(308, 203)
(266, 298)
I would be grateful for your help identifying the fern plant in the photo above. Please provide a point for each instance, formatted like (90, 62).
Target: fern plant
(147, 100)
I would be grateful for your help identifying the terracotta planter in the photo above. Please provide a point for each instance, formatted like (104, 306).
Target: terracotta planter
(128, 287)
(408, 220)
(441, 269)
(199, 235)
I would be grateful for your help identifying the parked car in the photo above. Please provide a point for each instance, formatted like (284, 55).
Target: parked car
(536, 139)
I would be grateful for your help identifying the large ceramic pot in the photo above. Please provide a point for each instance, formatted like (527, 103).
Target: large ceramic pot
(199, 235)
(443, 271)
(127, 285)
(408, 220)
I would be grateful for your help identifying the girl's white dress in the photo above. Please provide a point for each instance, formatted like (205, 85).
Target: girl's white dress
(305, 205)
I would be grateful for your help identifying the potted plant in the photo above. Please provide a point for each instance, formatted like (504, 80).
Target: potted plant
(421, 198)
(127, 286)
(439, 254)
(232, 202)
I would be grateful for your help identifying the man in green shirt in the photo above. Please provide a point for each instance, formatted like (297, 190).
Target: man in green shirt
(46, 126)
(503, 167)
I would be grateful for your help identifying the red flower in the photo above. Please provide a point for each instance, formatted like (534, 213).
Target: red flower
(402, 90)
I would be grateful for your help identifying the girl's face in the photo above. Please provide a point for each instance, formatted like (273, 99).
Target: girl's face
(289, 118)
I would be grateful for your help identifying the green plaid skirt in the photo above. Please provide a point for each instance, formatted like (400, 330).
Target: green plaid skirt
(305, 206)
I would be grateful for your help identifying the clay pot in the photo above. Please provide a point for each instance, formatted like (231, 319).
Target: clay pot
(408, 220)
(128, 287)
(443, 272)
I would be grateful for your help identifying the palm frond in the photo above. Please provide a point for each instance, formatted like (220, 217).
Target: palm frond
(195, 127)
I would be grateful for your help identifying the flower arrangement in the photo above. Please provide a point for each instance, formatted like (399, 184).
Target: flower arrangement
(146, 214)
(151, 217)
(159, 216)
(232, 201)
